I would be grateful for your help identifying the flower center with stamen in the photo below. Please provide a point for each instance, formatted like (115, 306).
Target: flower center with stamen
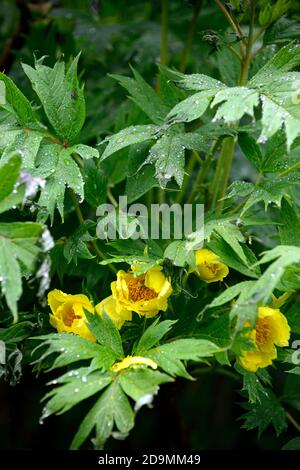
(262, 331)
(212, 267)
(69, 317)
(138, 291)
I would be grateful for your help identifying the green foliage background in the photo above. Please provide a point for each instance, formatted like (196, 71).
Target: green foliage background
(107, 98)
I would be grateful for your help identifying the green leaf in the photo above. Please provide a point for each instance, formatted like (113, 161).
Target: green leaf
(284, 255)
(85, 151)
(140, 183)
(154, 333)
(236, 101)
(61, 96)
(231, 234)
(76, 245)
(64, 172)
(141, 381)
(191, 108)
(282, 31)
(230, 293)
(144, 96)
(265, 412)
(287, 58)
(268, 192)
(19, 104)
(95, 184)
(198, 82)
(179, 254)
(169, 356)
(111, 409)
(290, 224)
(253, 386)
(16, 333)
(106, 333)
(168, 156)
(72, 348)
(293, 444)
(229, 257)
(17, 249)
(77, 385)
(251, 149)
(9, 174)
(129, 136)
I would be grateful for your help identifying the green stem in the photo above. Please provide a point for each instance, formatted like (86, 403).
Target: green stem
(189, 170)
(164, 48)
(190, 36)
(246, 63)
(235, 26)
(293, 421)
(291, 168)
(164, 53)
(226, 162)
(94, 245)
(203, 171)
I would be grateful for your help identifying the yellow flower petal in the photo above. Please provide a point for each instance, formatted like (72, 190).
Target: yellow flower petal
(271, 329)
(133, 361)
(209, 266)
(68, 313)
(144, 294)
(155, 280)
(117, 315)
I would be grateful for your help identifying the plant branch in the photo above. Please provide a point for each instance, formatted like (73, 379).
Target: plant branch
(203, 170)
(94, 245)
(235, 26)
(164, 49)
(190, 35)
(293, 421)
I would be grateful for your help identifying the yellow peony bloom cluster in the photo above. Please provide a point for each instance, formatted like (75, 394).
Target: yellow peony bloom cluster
(146, 295)
(271, 329)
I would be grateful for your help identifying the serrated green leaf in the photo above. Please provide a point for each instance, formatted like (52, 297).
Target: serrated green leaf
(235, 102)
(264, 413)
(112, 408)
(20, 105)
(64, 173)
(78, 385)
(76, 245)
(141, 381)
(293, 444)
(169, 356)
(282, 256)
(61, 96)
(168, 156)
(154, 333)
(85, 151)
(179, 254)
(251, 149)
(9, 174)
(106, 333)
(230, 293)
(72, 348)
(129, 136)
(144, 96)
(17, 248)
(191, 108)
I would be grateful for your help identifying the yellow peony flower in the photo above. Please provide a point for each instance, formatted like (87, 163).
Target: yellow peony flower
(145, 294)
(68, 313)
(116, 314)
(271, 329)
(209, 268)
